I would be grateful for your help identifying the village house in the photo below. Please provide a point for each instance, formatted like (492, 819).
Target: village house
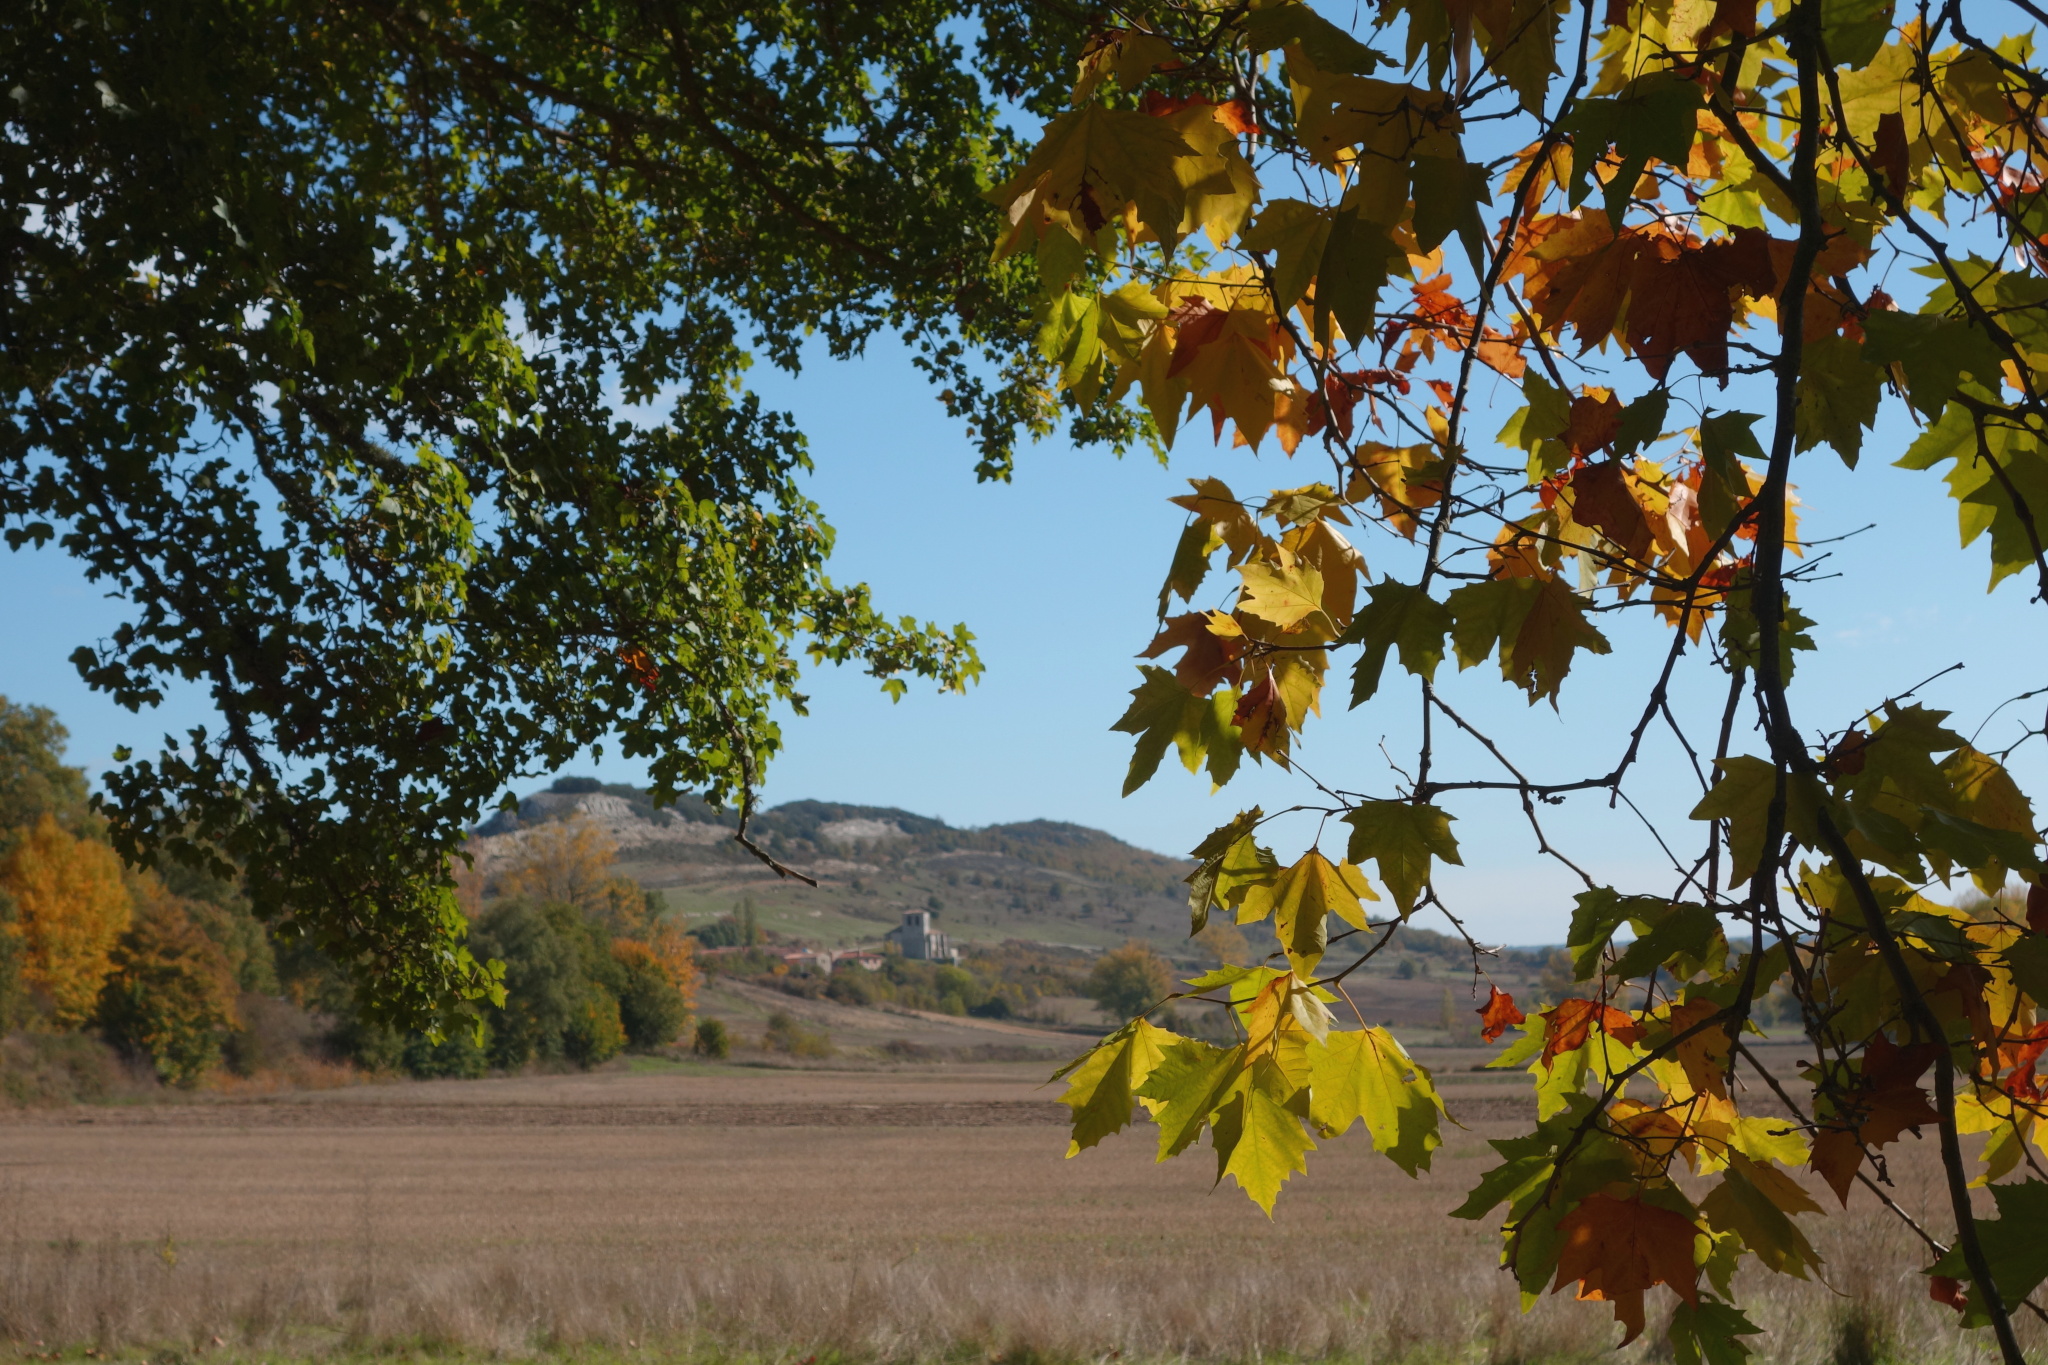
(919, 941)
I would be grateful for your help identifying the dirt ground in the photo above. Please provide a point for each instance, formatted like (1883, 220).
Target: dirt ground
(883, 1215)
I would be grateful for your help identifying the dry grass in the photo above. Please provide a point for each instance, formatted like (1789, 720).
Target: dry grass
(568, 1217)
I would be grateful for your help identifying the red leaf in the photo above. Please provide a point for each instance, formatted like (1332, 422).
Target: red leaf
(1196, 323)
(1948, 1290)
(1886, 1100)
(1601, 499)
(1210, 658)
(1890, 153)
(1498, 1014)
(2037, 906)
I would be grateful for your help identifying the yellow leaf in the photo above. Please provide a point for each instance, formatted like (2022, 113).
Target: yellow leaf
(1259, 1142)
(1366, 1075)
(1302, 899)
(1089, 164)
(1102, 1086)
(1290, 598)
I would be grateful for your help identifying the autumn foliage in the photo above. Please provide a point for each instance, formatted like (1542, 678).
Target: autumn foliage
(1630, 217)
(71, 908)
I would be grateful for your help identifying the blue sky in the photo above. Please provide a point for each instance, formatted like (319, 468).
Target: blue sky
(1057, 574)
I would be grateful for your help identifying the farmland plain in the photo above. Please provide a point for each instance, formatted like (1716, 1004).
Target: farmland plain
(693, 1210)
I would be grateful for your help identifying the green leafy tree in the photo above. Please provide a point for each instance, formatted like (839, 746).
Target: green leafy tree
(389, 364)
(562, 985)
(711, 1039)
(34, 778)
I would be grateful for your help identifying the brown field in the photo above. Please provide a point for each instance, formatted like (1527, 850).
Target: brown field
(724, 1212)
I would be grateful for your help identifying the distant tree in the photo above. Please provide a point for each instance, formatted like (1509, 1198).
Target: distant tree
(171, 995)
(1127, 981)
(651, 1009)
(561, 985)
(71, 908)
(1227, 942)
(34, 779)
(564, 861)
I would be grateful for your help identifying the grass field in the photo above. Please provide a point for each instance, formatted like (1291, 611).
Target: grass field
(725, 1212)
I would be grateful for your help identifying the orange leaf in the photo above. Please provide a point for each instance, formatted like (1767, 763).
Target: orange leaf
(1949, 1290)
(1704, 1055)
(640, 665)
(1210, 658)
(1595, 422)
(1618, 1248)
(1566, 1028)
(1885, 1102)
(1498, 1014)
(2037, 906)
(1260, 713)
(1601, 499)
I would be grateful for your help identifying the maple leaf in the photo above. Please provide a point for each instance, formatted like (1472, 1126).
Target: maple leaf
(1618, 1248)
(1837, 396)
(1290, 598)
(2012, 1244)
(1259, 1141)
(1089, 163)
(1213, 643)
(1228, 864)
(1498, 1014)
(1568, 1027)
(1593, 423)
(1754, 1202)
(1101, 1085)
(1295, 233)
(1601, 498)
(1401, 837)
(1301, 901)
(1538, 623)
(1191, 1080)
(1681, 298)
(1163, 712)
(1396, 614)
(1365, 1075)
(1883, 1101)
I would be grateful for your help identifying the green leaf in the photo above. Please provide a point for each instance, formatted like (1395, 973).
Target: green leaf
(1653, 116)
(1259, 1141)
(1322, 42)
(1228, 864)
(1726, 439)
(1366, 1075)
(1706, 1333)
(1162, 712)
(1102, 1086)
(1755, 1202)
(1642, 422)
(1295, 232)
(1357, 259)
(1935, 352)
(1190, 1081)
(1682, 931)
(2013, 1246)
(1401, 837)
(1837, 397)
(1595, 917)
(1301, 901)
(1742, 796)
(1538, 623)
(1396, 614)
(1854, 30)
(1982, 500)
(1547, 415)
(1448, 192)
(2027, 960)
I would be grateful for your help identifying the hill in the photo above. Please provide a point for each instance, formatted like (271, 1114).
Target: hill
(1039, 881)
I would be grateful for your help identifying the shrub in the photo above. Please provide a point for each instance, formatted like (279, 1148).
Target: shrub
(787, 1035)
(460, 1056)
(711, 1039)
(171, 996)
(852, 986)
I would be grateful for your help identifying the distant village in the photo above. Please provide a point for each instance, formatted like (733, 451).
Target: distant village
(914, 938)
